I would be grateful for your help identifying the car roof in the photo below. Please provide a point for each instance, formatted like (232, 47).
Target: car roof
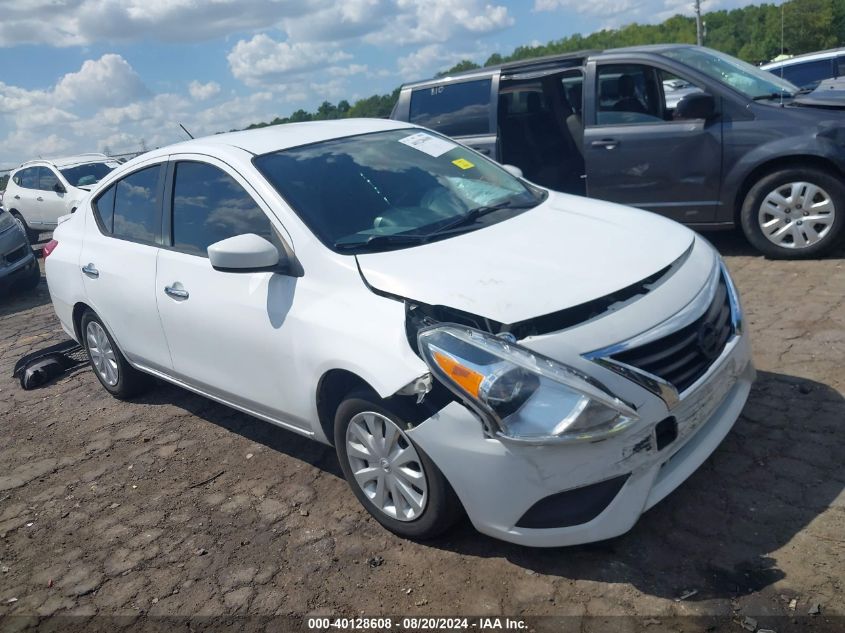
(806, 57)
(537, 63)
(67, 161)
(278, 137)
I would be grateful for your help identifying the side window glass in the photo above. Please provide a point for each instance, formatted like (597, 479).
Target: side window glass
(136, 205)
(627, 93)
(807, 74)
(28, 178)
(47, 179)
(456, 109)
(573, 89)
(104, 210)
(839, 66)
(209, 206)
(674, 89)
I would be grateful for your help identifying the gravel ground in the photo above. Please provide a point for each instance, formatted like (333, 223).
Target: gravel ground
(173, 505)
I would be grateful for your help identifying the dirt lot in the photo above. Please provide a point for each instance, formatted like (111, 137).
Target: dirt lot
(103, 509)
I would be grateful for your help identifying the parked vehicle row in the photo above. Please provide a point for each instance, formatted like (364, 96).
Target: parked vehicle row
(684, 131)
(469, 342)
(808, 71)
(41, 191)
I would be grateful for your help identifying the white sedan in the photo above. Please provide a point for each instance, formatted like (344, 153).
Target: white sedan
(551, 366)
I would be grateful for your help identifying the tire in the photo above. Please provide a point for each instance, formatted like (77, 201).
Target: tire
(121, 380)
(763, 214)
(440, 507)
(31, 235)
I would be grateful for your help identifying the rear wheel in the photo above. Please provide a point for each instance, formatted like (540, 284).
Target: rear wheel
(31, 235)
(110, 366)
(394, 480)
(794, 213)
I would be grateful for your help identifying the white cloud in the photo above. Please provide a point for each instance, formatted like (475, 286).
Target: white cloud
(429, 21)
(263, 61)
(426, 61)
(109, 80)
(201, 91)
(615, 13)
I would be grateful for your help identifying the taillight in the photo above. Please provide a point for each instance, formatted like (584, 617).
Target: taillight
(49, 247)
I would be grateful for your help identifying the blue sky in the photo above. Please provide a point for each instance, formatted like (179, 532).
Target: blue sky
(86, 75)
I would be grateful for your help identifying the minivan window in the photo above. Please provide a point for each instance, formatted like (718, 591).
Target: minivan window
(391, 186)
(806, 74)
(454, 109)
(47, 179)
(136, 205)
(627, 93)
(209, 206)
(88, 174)
(739, 75)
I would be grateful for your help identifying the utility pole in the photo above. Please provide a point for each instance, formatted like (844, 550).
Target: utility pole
(698, 35)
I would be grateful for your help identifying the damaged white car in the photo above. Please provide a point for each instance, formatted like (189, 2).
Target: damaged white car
(469, 342)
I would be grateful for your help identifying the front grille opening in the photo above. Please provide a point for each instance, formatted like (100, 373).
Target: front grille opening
(666, 432)
(684, 356)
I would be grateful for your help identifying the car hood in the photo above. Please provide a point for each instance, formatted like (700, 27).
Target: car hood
(565, 252)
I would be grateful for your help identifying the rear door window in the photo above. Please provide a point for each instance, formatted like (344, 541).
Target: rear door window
(455, 109)
(209, 206)
(27, 178)
(136, 205)
(104, 210)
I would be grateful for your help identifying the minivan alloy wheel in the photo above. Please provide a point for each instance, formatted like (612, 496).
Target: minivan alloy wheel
(102, 354)
(796, 215)
(386, 466)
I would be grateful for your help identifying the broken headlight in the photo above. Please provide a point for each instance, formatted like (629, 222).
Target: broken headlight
(522, 395)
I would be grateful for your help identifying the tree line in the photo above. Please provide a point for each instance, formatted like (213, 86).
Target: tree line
(752, 33)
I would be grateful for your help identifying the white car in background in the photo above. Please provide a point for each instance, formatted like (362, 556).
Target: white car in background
(39, 192)
(550, 365)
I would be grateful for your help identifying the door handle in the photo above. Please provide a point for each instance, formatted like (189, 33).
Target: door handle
(17, 197)
(607, 143)
(91, 271)
(40, 199)
(176, 293)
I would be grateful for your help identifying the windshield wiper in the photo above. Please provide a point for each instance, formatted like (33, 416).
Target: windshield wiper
(378, 240)
(473, 214)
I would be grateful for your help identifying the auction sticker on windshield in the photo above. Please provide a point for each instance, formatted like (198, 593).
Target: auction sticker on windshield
(428, 144)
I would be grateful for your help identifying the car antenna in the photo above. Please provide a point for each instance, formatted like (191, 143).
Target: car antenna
(186, 131)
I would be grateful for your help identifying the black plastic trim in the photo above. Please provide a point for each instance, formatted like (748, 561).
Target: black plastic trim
(572, 507)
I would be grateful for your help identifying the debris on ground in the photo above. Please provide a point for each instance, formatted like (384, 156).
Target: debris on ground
(202, 551)
(375, 561)
(749, 624)
(816, 609)
(689, 593)
(793, 604)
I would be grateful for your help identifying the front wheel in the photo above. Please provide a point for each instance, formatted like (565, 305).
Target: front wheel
(794, 213)
(394, 480)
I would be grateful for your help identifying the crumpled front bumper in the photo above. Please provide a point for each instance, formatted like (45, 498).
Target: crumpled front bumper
(499, 481)
(12, 241)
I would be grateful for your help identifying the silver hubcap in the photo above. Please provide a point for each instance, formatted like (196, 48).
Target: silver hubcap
(386, 466)
(102, 354)
(796, 215)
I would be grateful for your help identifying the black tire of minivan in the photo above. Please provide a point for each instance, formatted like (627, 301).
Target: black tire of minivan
(443, 508)
(770, 182)
(130, 381)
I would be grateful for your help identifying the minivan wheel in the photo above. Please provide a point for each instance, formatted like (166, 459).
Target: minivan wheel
(794, 213)
(394, 479)
(110, 366)
(31, 235)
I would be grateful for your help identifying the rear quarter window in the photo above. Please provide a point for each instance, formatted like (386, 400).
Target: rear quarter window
(455, 109)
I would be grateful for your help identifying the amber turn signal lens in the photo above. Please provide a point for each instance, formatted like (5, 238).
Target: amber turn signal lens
(466, 378)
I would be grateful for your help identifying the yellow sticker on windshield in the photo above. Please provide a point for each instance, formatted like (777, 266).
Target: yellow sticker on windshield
(463, 163)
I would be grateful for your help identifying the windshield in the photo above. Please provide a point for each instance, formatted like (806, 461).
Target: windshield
(88, 174)
(388, 189)
(739, 75)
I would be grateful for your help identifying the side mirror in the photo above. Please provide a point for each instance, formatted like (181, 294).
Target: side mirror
(699, 105)
(513, 170)
(250, 253)
(59, 188)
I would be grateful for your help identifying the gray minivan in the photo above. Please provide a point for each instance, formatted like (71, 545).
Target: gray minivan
(684, 131)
